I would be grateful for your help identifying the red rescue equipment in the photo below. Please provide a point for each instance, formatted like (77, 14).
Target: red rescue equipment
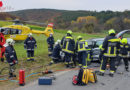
(21, 77)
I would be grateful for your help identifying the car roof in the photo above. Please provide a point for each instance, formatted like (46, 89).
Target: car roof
(96, 39)
(121, 33)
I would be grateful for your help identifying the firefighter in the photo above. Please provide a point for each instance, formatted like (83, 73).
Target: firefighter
(129, 52)
(56, 52)
(110, 50)
(68, 48)
(11, 57)
(101, 54)
(2, 42)
(123, 53)
(50, 41)
(81, 50)
(30, 44)
(89, 55)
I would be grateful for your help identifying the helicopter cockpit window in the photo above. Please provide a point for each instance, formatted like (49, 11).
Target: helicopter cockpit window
(7, 31)
(15, 31)
(12, 31)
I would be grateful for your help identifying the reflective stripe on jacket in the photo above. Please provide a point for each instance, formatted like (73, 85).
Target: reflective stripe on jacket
(81, 45)
(111, 46)
(124, 49)
(68, 44)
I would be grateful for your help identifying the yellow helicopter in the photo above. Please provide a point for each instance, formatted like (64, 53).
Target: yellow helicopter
(19, 32)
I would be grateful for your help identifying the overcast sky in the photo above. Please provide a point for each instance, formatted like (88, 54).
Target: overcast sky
(98, 5)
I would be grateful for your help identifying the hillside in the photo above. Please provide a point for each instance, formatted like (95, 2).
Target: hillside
(53, 14)
(41, 15)
(7, 16)
(78, 20)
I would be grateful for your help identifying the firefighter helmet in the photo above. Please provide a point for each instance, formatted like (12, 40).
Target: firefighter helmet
(69, 32)
(10, 41)
(30, 34)
(79, 37)
(124, 41)
(111, 31)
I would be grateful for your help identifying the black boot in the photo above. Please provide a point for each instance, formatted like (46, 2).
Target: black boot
(2, 59)
(10, 75)
(111, 74)
(67, 65)
(100, 73)
(127, 69)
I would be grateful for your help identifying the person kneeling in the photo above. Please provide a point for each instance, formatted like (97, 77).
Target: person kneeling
(56, 53)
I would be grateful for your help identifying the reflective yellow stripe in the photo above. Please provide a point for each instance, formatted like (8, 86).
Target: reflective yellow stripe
(81, 49)
(80, 64)
(125, 56)
(32, 57)
(112, 55)
(114, 40)
(67, 46)
(109, 50)
(102, 49)
(88, 49)
(102, 71)
(85, 66)
(101, 67)
(66, 62)
(88, 58)
(111, 71)
(114, 50)
(69, 37)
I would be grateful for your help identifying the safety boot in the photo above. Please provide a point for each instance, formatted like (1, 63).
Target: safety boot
(32, 59)
(100, 73)
(111, 74)
(127, 69)
(67, 65)
(28, 59)
(2, 59)
(10, 75)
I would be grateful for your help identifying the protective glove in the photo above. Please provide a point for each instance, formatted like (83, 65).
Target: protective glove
(25, 47)
(16, 62)
(11, 64)
(35, 46)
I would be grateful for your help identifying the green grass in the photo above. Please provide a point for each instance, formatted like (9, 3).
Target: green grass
(2, 23)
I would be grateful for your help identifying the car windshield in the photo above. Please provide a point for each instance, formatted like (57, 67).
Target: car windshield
(98, 43)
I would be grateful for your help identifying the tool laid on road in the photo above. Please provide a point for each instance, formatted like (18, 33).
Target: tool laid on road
(45, 81)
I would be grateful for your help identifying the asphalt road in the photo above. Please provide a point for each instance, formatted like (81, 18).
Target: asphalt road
(120, 81)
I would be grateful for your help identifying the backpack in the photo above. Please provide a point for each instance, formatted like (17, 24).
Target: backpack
(92, 76)
(84, 76)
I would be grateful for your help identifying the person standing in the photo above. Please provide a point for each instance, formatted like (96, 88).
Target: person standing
(2, 42)
(110, 50)
(11, 57)
(50, 42)
(68, 48)
(81, 50)
(29, 44)
(123, 53)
